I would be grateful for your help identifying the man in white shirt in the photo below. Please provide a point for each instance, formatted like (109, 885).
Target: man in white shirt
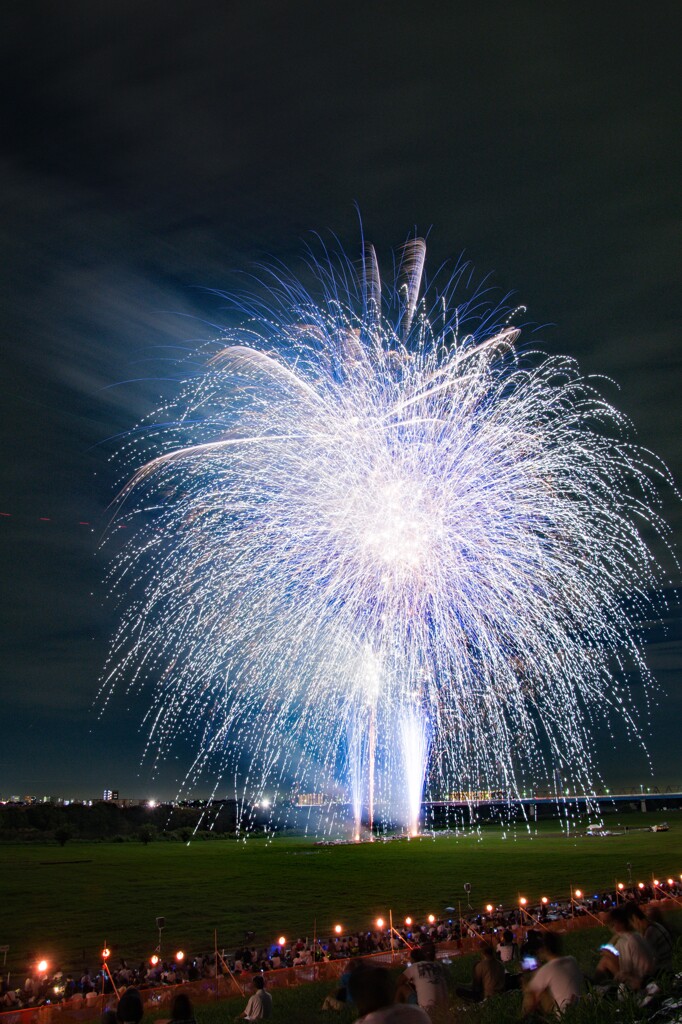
(425, 977)
(555, 985)
(630, 959)
(259, 1006)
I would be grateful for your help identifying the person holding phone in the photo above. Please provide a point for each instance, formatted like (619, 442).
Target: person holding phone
(558, 983)
(627, 958)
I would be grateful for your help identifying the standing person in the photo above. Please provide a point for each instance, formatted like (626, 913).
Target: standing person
(557, 984)
(259, 1006)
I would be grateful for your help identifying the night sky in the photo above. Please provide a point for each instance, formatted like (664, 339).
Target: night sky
(152, 150)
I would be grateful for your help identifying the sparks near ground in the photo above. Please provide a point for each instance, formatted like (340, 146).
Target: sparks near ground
(375, 548)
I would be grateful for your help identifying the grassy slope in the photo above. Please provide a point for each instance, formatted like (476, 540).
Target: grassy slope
(66, 910)
(303, 1004)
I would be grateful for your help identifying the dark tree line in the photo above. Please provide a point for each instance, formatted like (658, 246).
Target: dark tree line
(106, 820)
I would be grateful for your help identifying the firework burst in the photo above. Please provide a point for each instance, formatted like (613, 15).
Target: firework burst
(369, 533)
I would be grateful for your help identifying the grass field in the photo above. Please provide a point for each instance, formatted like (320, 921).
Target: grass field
(62, 903)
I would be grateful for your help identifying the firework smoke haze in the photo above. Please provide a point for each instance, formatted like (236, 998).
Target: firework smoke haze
(366, 518)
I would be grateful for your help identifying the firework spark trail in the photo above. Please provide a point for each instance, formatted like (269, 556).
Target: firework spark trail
(353, 475)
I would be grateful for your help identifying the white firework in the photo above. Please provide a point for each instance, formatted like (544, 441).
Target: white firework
(363, 524)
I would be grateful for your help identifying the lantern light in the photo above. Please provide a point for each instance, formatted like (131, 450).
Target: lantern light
(42, 966)
(338, 929)
(640, 885)
(153, 959)
(106, 953)
(489, 907)
(408, 921)
(431, 919)
(523, 901)
(621, 886)
(180, 956)
(578, 893)
(380, 922)
(281, 941)
(544, 901)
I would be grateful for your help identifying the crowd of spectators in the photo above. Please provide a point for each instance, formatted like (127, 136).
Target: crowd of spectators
(640, 948)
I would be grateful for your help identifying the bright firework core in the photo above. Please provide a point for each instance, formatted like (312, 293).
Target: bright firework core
(375, 549)
(388, 521)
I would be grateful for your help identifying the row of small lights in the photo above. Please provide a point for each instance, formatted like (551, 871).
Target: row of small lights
(43, 965)
(578, 893)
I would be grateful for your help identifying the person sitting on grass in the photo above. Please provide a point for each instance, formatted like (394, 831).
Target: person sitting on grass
(372, 989)
(628, 958)
(650, 924)
(130, 1009)
(507, 950)
(340, 998)
(259, 1006)
(489, 977)
(182, 1011)
(555, 985)
(424, 978)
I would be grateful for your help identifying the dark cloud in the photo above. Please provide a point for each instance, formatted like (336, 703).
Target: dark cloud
(150, 150)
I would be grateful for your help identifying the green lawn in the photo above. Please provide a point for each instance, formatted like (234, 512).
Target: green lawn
(63, 903)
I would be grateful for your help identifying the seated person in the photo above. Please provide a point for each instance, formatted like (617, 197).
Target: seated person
(130, 1009)
(372, 989)
(627, 958)
(182, 1011)
(489, 978)
(259, 1006)
(651, 926)
(424, 978)
(506, 950)
(558, 983)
